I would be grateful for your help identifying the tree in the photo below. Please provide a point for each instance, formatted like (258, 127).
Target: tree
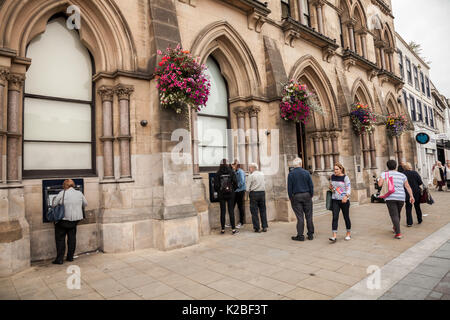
(417, 48)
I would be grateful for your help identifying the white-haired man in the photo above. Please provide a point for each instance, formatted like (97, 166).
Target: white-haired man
(301, 191)
(257, 189)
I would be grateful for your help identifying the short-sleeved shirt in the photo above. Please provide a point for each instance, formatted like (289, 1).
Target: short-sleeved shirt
(399, 185)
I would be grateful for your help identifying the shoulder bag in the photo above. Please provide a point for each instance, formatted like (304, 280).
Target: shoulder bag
(56, 214)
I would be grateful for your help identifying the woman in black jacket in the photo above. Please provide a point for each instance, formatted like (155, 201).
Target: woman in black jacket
(225, 184)
(415, 181)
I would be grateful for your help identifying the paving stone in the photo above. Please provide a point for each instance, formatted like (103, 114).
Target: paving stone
(205, 276)
(153, 290)
(137, 281)
(406, 292)
(196, 290)
(230, 287)
(431, 271)
(434, 296)
(126, 296)
(323, 286)
(108, 288)
(443, 287)
(446, 297)
(305, 294)
(420, 280)
(173, 295)
(437, 262)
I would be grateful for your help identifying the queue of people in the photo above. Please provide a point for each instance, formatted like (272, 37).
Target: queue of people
(231, 186)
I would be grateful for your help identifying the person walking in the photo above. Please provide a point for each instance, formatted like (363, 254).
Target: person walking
(341, 187)
(74, 202)
(240, 192)
(438, 176)
(414, 181)
(301, 192)
(256, 188)
(396, 200)
(225, 184)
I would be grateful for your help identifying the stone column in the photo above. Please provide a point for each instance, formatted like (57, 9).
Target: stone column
(124, 92)
(390, 54)
(320, 23)
(3, 81)
(365, 150)
(383, 59)
(240, 115)
(15, 84)
(301, 12)
(351, 33)
(107, 95)
(373, 154)
(195, 141)
(399, 150)
(253, 112)
(326, 150)
(335, 147)
(317, 155)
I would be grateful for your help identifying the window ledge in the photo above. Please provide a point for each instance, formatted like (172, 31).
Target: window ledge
(293, 29)
(351, 58)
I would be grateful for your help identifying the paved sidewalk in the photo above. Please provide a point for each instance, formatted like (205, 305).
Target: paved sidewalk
(429, 281)
(246, 266)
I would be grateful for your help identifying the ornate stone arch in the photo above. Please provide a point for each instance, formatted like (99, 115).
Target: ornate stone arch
(358, 11)
(388, 36)
(361, 93)
(308, 69)
(234, 56)
(103, 31)
(391, 103)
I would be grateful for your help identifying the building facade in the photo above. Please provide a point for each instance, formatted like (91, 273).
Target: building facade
(441, 108)
(418, 98)
(82, 102)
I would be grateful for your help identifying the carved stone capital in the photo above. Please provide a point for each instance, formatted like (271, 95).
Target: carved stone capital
(389, 50)
(15, 81)
(362, 31)
(106, 93)
(4, 76)
(123, 92)
(318, 3)
(380, 44)
(253, 111)
(240, 112)
(326, 136)
(350, 23)
(290, 36)
(316, 136)
(334, 136)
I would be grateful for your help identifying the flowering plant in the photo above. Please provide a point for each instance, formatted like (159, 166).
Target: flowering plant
(298, 102)
(396, 124)
(182, 81)
(363, 118)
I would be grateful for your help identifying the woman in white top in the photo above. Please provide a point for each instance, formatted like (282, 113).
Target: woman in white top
(74, 201)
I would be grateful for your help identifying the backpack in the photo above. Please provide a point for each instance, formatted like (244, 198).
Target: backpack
(226, 185)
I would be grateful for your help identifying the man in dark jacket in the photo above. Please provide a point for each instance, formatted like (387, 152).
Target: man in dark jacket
(225, 184)
(301, 192)
(415, 181)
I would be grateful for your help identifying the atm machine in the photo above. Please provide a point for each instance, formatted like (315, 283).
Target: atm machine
(50, 189)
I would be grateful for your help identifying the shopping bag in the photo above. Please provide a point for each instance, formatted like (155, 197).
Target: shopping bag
(388, 187)
(424, 196)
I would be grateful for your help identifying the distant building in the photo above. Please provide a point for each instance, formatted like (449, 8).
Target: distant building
(417, 97)
(441, 111)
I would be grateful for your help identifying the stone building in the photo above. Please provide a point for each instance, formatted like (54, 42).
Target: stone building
(82, 103)
(418, 98)
(441, 111)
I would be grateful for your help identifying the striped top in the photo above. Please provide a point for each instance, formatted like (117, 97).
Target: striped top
(399, 185)
(341, 186)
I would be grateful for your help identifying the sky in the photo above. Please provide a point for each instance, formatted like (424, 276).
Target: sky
(428, 23)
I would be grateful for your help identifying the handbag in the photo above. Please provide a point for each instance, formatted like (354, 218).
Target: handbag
(388, 186)
(424, 196)
(329, 200)
(57, 213)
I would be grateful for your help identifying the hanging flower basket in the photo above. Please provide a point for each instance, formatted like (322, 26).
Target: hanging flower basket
(363, 119)
(181, 81)
(396, 125)
(298, 102)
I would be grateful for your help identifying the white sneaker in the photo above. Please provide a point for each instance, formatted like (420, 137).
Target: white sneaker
(239, 226)
(227, 226)
(348, 238)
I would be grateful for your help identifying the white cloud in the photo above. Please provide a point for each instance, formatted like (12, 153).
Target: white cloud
(428, 23)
